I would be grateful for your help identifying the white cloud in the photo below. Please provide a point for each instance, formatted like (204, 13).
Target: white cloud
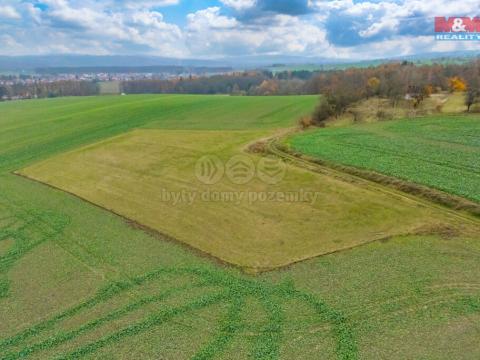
(146, 4)
(209, 32)
(92, 27)
(379, 16)
(9, 12)
(384, 24)
(210, 18)
(379, 28)
(239, 4)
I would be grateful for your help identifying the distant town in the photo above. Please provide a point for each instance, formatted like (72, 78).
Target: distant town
(47, 82)
(109, 74)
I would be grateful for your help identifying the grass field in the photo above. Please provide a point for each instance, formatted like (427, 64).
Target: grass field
(455, 103)
(77, 281)
(441, 151)
(132, 174)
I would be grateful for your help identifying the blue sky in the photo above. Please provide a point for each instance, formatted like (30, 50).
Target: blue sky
(344, 29)
(177, 13)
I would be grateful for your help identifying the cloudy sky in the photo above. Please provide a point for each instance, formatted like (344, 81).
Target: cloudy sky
(222, 28)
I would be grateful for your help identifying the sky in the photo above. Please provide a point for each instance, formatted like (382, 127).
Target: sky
(214, 29)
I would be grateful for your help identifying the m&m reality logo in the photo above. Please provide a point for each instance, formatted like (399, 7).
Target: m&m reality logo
(457, 28)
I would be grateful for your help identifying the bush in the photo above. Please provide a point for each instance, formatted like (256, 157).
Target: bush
(382, 115)
(305, 122)
(259, 147)
(322, 113)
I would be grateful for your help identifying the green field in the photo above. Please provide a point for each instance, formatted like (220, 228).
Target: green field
(442, 151)
(77, 281)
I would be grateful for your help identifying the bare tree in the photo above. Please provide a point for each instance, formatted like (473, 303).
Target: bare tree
(470, 98)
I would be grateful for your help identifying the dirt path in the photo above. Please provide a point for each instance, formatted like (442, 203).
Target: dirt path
(273, 147)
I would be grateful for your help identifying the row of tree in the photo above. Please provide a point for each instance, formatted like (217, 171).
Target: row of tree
(48, 89)
(339, 87)
(237, 84)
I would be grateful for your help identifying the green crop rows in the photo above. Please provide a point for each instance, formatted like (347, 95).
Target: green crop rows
(234, 290)
(440, 152)
(26, 228)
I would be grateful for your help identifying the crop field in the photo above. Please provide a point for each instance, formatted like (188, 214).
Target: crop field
(137, 174)
(79, 282)
(442, 152)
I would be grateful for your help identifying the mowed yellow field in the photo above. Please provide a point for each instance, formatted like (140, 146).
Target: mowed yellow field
(152, 177)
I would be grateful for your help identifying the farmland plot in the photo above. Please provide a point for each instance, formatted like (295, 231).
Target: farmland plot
(441, 152)
(149, 176)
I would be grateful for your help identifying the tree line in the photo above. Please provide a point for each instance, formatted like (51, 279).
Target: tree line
(392, 81)
(339, 87)
(39, 89)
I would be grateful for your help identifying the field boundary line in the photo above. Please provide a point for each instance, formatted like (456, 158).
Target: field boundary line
(162, 236)
(157, 234)
(383, 183)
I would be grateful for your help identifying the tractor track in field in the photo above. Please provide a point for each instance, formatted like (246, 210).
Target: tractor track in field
(274, 149)
(227, 289)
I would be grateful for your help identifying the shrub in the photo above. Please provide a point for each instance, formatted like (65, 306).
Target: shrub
(322, 113)
(305, 122)
(381, 115)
